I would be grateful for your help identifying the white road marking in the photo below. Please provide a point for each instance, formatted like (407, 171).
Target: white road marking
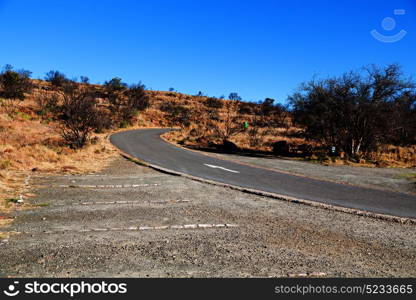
(222, 168)
(142, 228)
(108, 186)
(125, 202)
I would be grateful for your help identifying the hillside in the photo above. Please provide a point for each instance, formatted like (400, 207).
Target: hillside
(31, 141)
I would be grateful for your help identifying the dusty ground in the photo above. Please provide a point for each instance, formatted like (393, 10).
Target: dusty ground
(273, 238)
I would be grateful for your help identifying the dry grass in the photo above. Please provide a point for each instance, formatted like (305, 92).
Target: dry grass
(386, 156)
(30, 145)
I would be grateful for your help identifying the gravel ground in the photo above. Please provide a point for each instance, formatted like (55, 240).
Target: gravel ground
(78, 231)
(393, 179)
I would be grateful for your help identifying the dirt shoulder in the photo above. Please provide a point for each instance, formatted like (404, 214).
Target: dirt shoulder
(129, 220)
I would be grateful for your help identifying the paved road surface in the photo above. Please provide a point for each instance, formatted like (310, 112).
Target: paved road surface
(148, 146)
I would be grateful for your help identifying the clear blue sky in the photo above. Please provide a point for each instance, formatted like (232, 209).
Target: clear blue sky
(256, 48)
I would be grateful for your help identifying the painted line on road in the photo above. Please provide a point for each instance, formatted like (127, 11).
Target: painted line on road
(129, 202)
(302, 275)
(143, 228)
(107, 186)
(118, 202)
(353, 211)
(222, 168)
(82, 177)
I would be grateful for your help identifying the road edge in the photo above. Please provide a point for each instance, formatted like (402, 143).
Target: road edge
(281, 171)
(358, 212)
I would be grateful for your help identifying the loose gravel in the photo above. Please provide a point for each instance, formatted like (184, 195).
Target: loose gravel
(131, 221)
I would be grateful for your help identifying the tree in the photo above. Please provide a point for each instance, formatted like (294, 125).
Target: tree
(125, 101)
(403, 120)
(56, 78)
(85, 79)
(267, 106)
(234, 96)
(135, 100)
(352, 112)
(14, 85)
(115, 84)
(280, 114)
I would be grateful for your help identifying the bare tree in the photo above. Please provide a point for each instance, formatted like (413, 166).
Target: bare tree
(78, 114)
(229, 125)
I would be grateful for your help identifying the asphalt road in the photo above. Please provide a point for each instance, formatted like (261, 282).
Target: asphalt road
(146, 144)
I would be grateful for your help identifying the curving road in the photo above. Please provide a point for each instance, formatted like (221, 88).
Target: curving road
(146, 145)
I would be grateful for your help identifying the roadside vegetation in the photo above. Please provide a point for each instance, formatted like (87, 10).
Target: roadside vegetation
(59, 124)
(367, 117)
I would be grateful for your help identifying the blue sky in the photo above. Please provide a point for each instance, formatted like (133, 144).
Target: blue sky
(256, 48)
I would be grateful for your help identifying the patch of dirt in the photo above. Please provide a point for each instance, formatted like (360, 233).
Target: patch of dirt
(273, 238)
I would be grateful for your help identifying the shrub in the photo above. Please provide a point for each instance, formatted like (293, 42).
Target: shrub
(104, 121)
(229, 124)
(56, 78)
(354, 112)
(134, 100)
(5, 164)
(267, 106)
(47, 105)
(115, 84)
(171, 95)
(247, 108)
(234, 96)
(85, 79)
(280, 148)
(213, 102)
(79, 116)
(137, 98)
(14, 85)
(229, 147)
(177, 114)
(125, 102)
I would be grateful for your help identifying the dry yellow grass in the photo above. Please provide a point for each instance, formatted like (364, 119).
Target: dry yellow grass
(386, 156)
(29, 145)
